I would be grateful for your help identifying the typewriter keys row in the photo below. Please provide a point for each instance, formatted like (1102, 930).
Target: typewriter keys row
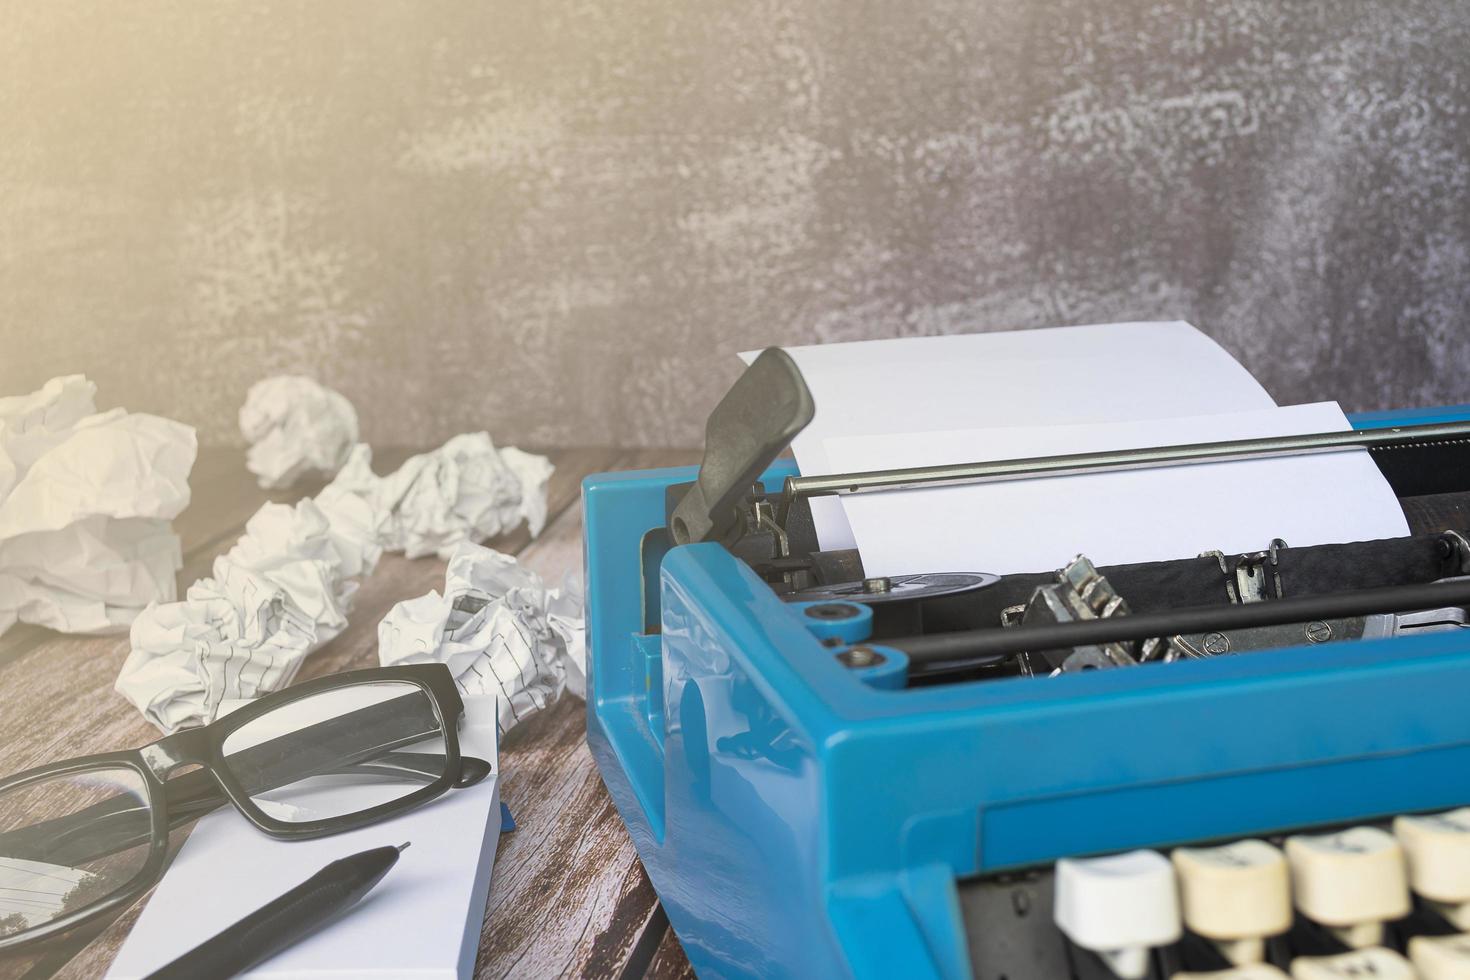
(1387, 901)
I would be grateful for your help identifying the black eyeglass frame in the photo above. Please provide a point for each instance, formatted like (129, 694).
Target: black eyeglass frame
(204, 746)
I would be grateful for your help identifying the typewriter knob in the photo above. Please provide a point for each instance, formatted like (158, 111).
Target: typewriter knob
(1118, 907)
(1374, 961)
(1438, 851)
(1235, 895)
(1441, 957)
(1351, 881)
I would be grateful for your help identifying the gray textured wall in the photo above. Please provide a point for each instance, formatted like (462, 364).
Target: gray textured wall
(559, 218)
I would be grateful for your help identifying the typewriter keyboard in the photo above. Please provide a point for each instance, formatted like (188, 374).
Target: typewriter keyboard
(1385, 901)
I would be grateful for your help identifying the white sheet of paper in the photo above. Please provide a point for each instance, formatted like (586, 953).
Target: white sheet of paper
(422, 920)
(1064, 375)
(1113, 518)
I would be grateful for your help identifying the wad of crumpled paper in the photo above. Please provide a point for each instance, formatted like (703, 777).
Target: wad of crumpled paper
(295, 426)
(466, 490)
(500, 630)
(86, 500)
(283, 590)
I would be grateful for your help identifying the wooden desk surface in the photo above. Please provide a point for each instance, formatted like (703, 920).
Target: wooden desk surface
(569, 896)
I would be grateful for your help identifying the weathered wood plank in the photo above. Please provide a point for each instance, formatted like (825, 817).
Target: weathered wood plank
(569, 896)
(72, 677)
(669, 961)
(569, 876)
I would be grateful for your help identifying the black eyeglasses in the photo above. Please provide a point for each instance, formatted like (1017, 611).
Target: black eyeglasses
(83, 837)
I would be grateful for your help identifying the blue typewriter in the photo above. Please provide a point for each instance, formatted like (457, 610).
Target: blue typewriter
(1238, 766)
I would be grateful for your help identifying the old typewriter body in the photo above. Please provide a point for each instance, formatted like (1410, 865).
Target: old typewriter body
(826, 775)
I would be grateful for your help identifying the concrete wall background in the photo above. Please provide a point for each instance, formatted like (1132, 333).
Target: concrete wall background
(558, 219)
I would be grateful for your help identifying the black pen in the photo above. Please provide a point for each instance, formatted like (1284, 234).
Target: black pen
(283, 922)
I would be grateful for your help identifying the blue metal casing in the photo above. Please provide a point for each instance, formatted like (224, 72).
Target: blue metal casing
(800, 818)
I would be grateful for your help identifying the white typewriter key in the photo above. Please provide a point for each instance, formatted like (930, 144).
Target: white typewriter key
(1438, 851)
(1251, 971)
(1351, 882)
(1118, 907)
(1374, 962)
(1441, 957)
(1235, 895)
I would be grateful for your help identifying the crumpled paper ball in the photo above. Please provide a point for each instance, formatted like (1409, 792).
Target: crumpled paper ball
(466, 490)
(283, 590)
(500, 630)
(86, 500)
(295, 426)
(534, 473)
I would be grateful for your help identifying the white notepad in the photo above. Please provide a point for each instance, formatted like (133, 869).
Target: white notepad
(423, 920)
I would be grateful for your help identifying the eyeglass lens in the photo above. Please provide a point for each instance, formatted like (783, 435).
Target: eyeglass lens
(339, 752)
(69, 841)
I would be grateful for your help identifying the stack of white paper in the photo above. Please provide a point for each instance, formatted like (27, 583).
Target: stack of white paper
(936, 400)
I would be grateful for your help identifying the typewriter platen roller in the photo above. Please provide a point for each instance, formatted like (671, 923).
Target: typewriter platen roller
(828, 773)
